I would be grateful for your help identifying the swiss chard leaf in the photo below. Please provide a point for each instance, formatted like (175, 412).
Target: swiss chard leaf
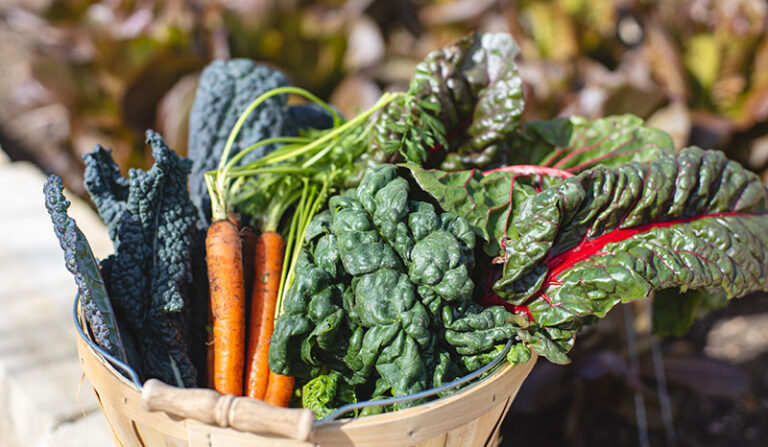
(464, 99)
(80, 261)
(575, 143)
(151, 220)
(687, 220)
(487, 202)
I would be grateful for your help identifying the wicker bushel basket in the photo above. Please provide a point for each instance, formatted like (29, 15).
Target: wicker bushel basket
(204, 418)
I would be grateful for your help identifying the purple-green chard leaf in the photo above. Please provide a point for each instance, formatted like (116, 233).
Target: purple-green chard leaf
(687, 220)
(462, 103)
(574, 144)
(487, 200)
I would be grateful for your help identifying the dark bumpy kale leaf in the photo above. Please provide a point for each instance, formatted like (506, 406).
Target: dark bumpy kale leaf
(79, 260)
(226, 89)
(688, 220)
(382, 294)
(464, 99)
(574, 144)
(151, 220)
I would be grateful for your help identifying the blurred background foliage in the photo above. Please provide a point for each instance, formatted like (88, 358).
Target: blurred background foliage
(103, 72)
(74, 73)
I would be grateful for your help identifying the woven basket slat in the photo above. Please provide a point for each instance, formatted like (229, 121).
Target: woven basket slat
(464, 435)
(438, 441)
(489, 421)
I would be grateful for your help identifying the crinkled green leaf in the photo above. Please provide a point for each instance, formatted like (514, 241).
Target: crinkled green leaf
(575, 143)
(325, 393)
(464, 100)
(687, 220)
(151, 220)
(487, 202)
(382, 294)
(80, 261)
(226, 89)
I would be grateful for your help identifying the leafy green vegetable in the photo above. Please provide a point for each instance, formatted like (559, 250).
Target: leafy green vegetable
(151, 221)
(465, 98)
(575, 143)
(326, 392)
(488, 202)
(80, 261)
(382, 294)
(689, 220)
(225, 90)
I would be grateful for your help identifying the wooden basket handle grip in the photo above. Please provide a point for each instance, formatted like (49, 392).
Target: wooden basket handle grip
(240, 413)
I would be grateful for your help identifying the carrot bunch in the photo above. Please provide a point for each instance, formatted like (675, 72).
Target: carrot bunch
(294, 181)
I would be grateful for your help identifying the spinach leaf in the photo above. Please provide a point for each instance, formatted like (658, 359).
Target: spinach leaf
(382, 294)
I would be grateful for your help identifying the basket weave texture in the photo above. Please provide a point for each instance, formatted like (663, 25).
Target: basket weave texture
(469, 418)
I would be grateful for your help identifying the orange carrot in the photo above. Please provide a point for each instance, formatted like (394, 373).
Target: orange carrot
(225, 278)
(280, 389)
(268, 264)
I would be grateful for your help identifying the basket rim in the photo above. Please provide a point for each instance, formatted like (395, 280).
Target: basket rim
(493, 368)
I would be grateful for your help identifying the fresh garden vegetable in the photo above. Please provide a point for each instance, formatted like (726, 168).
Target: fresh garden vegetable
(227, 291)
(574, 144)
(268, 262)
(225, 90)
(151, 221)
(688, 220)
(279, 389)
(80, 261)
(382, 294)
(462, 105)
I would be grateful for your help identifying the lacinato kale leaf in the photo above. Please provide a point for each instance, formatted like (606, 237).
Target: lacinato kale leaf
(226, 89)
(151, 221)
(463, 102)
(382, 294)
(79, 260)
(688, 220)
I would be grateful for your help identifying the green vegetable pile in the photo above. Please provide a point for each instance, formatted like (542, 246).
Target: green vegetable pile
(382, 299)
(423, 234)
